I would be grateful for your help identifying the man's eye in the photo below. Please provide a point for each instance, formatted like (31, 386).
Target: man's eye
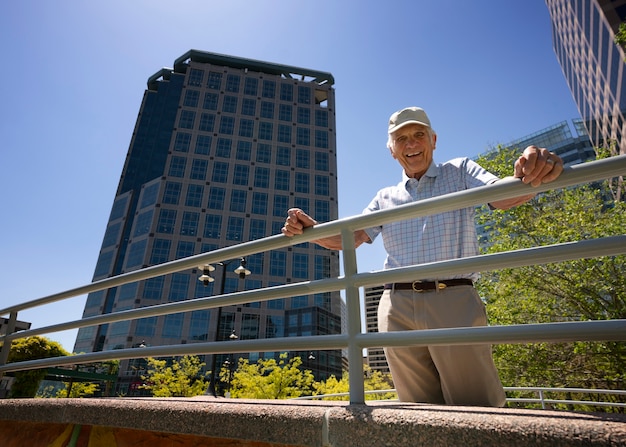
(419, 134)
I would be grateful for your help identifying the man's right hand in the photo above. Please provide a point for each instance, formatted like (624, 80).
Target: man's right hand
(297, 220)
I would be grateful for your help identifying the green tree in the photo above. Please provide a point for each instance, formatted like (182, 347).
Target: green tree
(182, 378)
(374, 380)
(584, 289)
(269, 379)
(32, 348)
(620, 36)
(78, 389)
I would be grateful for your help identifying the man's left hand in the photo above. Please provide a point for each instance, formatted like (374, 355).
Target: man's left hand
(538, 165)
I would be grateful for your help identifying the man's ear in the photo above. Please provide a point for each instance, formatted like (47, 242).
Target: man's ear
(434, 140)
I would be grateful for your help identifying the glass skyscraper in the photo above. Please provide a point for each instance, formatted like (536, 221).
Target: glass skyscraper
(583, 34)
(222, 147)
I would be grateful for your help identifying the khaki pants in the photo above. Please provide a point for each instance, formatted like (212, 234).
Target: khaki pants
(453, 375)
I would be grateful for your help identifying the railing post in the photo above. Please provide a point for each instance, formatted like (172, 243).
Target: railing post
(353, 312)
(541, 397)
(6, 346)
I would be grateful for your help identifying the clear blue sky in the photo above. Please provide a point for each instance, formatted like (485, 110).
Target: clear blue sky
(75, 72)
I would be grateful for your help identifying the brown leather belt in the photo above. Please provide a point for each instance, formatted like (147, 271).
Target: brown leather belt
(421, 286)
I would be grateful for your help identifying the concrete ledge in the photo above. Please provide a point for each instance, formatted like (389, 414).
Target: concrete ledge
(208, 421)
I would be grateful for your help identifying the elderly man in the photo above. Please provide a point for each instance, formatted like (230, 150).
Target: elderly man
(454, 375)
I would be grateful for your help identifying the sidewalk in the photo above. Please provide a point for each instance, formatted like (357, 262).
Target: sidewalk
(207, 421)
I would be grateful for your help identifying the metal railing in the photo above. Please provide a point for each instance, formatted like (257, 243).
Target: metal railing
(353, 339)
(541, 398)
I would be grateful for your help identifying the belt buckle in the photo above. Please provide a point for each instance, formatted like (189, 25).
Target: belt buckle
(440, 285)
(415, 289)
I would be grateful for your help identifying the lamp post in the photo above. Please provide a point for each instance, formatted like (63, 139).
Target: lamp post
(206, 278)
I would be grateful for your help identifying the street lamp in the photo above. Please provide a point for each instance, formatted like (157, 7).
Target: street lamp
(206, 278)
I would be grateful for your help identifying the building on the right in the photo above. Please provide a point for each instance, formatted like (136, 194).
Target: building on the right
(583, 36)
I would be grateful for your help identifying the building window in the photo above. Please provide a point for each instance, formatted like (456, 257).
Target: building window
(241, 174)
(322, 185)
(278, 263)
(223, 147)
(283, 156)
(284, 133)
(248, 107)
(303, 157)
(238, 200)
(298, 302)
(269, 89)
(251, 86)
(194, 195)
(322, 267)
(198, 169)
(321, 118)
(303, 136)
(304, 94)
(182, 142)
(198, 326)
(321, 161)
(281, 181)
(300, 266)
(259, 203)
(264, 153)
(246, 128)
(210, 101)
(261, 177)
(230, 104)
(215, 80)
(212, 226)
(234, 231)
(244, 150)
(167, 220)
(173, 325)
(171, 195)
(227, 125)
(195, 77)
(304, 115)
(191, 98)
(203, 144)
(160, 251)
(187, 117)
(266, 131)
(321, 139)
(112, 233)
(189, 224)
(149, 195)
(249, 327)
(177, 167)
(153, 288)
(179, 287)
(185, 249)
(207, 122)
(146, 327)
(322, 209)
(216, 198)
(220, 172)
(286, 92)
(105, 260)
(302, 182)
(281, 205)
(284, 112)
(135, 257)
(267, 110)
(232, 83)
(274, 325)
(257, 229)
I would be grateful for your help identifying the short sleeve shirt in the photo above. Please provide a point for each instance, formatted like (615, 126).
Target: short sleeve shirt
(444, 236)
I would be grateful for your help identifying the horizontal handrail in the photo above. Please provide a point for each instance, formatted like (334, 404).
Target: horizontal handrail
(354, 340)
(504, 189)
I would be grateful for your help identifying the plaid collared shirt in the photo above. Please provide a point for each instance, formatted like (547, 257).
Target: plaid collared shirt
(439, 237)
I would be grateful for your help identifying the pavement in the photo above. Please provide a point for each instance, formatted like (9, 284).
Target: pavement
(219, 422)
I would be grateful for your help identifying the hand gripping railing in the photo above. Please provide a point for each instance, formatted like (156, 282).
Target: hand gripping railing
(353, 339)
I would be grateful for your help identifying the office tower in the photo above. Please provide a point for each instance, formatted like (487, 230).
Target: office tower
(222, 147)
(583, 34)
(375, 356)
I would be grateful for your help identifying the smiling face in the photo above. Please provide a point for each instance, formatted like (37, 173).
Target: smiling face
(413, 145)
